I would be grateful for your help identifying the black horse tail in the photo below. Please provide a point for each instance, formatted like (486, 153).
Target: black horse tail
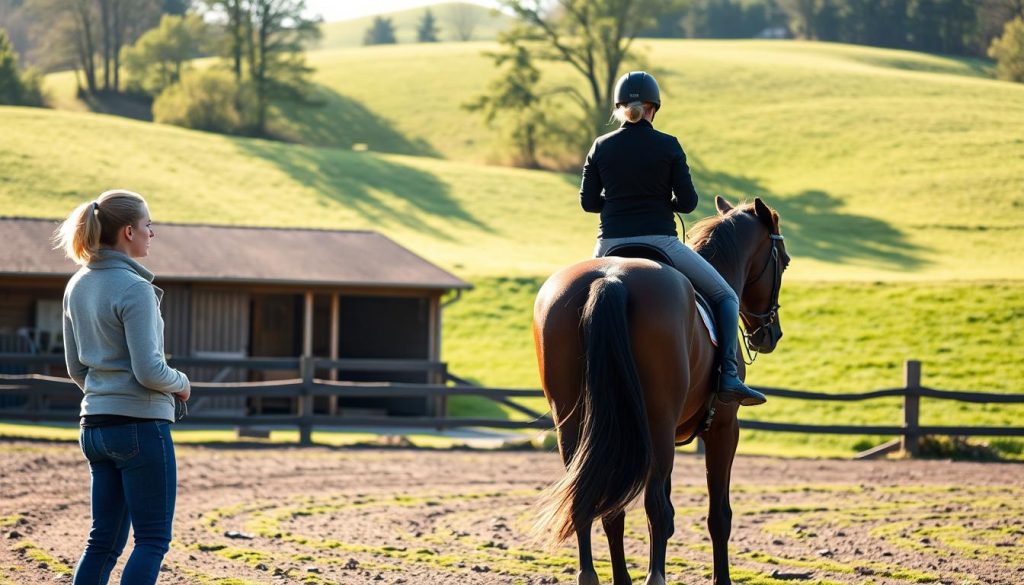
(612, 460)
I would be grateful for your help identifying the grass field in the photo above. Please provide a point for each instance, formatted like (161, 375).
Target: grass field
(898, 177)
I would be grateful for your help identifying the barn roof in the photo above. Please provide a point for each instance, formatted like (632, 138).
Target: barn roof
(220, 253)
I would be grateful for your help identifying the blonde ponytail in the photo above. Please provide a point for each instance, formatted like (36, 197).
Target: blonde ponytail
(96, 223)
(631, 112)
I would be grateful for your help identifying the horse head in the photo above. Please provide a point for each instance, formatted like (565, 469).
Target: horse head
(760, 258)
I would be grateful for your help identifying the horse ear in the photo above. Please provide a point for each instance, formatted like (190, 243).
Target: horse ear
(764, 213)
(722, 205)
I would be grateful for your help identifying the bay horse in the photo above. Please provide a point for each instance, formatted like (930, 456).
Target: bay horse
(629, 371)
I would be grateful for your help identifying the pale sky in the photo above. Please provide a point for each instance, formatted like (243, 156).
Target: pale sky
(333, 10)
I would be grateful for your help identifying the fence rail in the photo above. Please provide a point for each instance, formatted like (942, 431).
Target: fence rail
(40, 388)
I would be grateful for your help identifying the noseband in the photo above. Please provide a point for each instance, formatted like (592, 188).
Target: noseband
(768, 318)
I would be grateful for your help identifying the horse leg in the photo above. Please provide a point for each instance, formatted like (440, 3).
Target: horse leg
(568, 440)
(658, 504)
(720, 447)
(614, 527)
(587, 574)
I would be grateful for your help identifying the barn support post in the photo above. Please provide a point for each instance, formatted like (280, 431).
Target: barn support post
(306, 365)
(912, 407)
(305, 406)
(335, 341)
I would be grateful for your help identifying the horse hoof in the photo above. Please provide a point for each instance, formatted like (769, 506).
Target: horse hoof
(587, 578)
(655, 579)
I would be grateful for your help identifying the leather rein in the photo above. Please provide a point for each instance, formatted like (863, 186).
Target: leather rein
(768, 318)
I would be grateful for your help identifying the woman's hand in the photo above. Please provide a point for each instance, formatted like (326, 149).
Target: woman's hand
(184, 394)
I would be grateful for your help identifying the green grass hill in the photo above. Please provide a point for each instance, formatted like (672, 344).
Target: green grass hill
(897, 175)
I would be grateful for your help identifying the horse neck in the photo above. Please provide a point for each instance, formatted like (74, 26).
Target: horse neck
(733, 269)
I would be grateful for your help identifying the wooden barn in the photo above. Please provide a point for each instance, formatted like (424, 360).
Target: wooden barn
(234, 292)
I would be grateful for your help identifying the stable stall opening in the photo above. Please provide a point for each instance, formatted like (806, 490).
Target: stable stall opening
(385, 327)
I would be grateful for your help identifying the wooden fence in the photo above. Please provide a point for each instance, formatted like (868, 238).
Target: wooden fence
(40, 388)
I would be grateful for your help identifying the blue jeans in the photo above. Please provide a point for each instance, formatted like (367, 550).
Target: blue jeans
(134, 478)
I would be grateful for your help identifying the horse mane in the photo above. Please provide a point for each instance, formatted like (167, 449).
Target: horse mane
(715, 236)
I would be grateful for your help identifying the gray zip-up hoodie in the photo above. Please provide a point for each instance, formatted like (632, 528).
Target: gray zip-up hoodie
(114, 339)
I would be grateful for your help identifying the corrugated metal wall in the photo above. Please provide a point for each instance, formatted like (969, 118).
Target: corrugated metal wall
(219, 324)
(220, 320)
(175, 307)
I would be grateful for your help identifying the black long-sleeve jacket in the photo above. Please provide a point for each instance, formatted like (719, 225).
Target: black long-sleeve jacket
(636, 177)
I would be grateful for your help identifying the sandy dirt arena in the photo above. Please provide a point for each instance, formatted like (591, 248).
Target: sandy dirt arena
(324, 515)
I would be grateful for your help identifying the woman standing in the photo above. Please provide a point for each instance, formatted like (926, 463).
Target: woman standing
(636, 177)
(114, 350)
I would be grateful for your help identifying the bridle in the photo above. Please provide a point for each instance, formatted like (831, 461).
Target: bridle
(768, 318)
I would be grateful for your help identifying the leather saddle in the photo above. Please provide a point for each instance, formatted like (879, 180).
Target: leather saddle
(654, 253)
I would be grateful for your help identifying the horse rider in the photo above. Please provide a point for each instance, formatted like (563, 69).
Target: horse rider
(636, 177)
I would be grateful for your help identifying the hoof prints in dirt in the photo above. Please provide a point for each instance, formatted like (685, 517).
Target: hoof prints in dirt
(323, 516)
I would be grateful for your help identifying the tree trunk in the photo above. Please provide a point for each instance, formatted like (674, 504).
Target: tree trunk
(118, 39)
(238, 38)
(86, 45)
(107, 32)
(258, 58)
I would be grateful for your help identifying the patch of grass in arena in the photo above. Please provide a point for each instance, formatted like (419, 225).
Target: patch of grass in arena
(9, 575)
(204, 579)
(859, 567)
(270, 522)
(31, 550)
(9, 520)
(209, 547)
(248, 556)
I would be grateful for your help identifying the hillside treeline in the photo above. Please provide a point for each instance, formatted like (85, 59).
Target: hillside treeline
(956, 27)
(132, 55)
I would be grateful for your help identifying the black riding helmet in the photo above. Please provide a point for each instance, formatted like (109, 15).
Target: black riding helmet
(637, 86)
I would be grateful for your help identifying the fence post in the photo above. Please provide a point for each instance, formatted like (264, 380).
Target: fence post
(911, 407)
(306, 401)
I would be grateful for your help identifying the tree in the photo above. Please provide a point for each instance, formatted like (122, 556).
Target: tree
(265, 43)
(127, 20)
(463, 19)
(14, 21)
(277, 62)
(236, 17)
(426, 32)
(158, 57)
(205, 100)
(514, 95)
(802, 15)
(1008, 51)
(89, 35)
(17, 88)
(593, 37)
(992, 18)
(381, 32)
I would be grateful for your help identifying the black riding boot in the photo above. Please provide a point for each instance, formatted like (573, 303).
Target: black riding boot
(730, 387)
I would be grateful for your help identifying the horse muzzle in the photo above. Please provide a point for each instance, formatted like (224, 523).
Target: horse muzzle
(766, 338)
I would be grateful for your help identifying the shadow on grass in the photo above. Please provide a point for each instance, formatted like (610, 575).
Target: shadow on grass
(119, 104)
(333, 120)
(967, 66)
(814, 222)
(382, 192)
